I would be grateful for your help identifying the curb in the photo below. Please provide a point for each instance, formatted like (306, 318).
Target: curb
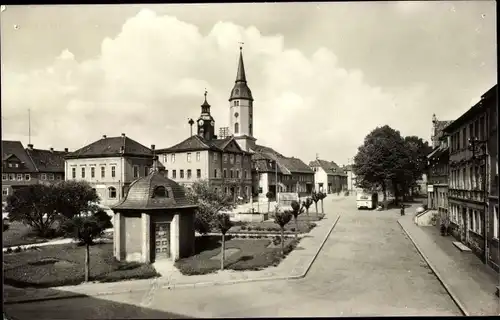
(71, 295)
(437, 274)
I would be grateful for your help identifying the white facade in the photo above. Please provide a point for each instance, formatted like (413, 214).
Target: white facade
(320, 179)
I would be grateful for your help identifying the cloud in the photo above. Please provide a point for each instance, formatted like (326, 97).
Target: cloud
(150, 78)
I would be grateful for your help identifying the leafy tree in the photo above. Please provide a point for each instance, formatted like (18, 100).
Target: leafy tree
(282, 218)
(315, 198)
(76, 197)
(269, 196)
(87, 228)
(307, 204)
(321, 196)
(296, 211)
(210, 202)
(223, 223)
(35, 205)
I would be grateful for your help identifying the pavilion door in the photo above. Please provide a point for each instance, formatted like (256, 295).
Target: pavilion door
(162, 240)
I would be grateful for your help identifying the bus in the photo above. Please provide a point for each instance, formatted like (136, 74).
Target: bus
(366, 200)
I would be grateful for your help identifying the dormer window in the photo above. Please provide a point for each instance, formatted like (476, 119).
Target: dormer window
(160, 192)
(236, 103)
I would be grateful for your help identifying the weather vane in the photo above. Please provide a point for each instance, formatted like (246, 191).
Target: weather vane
(206, 93)
(241, 45)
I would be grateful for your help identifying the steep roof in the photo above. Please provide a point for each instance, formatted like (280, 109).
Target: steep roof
(141, 194)
(112, 147)
(330, 167)
(47, 160)
(241, 89)
(286, 165)
(198, 143)
(15, 148)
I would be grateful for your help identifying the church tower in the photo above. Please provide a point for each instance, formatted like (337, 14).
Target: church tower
(206, 123)
(241, 109)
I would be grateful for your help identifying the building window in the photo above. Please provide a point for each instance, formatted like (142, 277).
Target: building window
(173, 158)
(231, 173)
(43, 176)
(136, 171)
(103, 172)
(4, 176)
(73, 173)
(215, 173)
(146, 171)
(189, 173)
(237, 174)
(161, 192)
(58, 177)
(236, 127)
(236, 102)
(166, 173)
(238, 159)
(181, 174)
(224, 158)
(19, 177)
(197, 156)
(83, 172)
(165, 158)
(51, 176)
(92, 172)
(215, 156)
(198, 173)
(245, 174)
(225, 190)
(174, 174)
(113, 171)
(27, 177)
(189, 157)
(231, 159)
(5, 191)
(111, 192)
(495, 222)
(224, 173)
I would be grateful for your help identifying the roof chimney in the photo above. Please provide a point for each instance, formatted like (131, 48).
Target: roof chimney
(104, 136)
(123, 134)
(152, 147)
(65, 149)
(51, 149)
(30, 146)
(122, 149)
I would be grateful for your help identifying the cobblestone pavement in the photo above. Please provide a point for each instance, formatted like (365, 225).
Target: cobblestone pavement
(366, 268)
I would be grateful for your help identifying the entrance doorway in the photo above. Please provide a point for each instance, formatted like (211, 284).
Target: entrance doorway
(162, 240)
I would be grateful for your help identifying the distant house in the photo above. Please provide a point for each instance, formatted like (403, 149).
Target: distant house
(328, 176)
(110, 165)
(24, 167)
(351, 177)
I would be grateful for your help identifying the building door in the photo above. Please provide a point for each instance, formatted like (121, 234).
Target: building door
(162, 240)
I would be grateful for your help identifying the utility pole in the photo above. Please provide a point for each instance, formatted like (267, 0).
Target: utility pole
(475, 145)
(29, 126)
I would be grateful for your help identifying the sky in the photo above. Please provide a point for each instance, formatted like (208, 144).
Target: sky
(323, 75)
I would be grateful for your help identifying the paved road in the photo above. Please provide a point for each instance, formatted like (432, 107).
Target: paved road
(366, 268)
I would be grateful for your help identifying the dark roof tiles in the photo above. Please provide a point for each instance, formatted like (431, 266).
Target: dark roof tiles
(15, 149)
(47, 160)
(111, 146)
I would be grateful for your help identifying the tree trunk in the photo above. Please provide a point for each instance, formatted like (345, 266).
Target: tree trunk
(316, 205)
(223, 252)
(296, 228)
(283, 241)
(87, 262)
(322, 208)
(268, 206)
(307, 211)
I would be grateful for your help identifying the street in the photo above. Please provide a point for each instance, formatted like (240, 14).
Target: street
(366, 268)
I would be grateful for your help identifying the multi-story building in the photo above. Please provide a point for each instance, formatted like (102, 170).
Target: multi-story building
(437, 179)
(468, 181)
(24, 167)
(351, 177)
(110, 165)
(328, 176)
(204, 157)
(490, 100)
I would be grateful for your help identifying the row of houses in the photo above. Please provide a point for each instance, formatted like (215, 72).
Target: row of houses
(463, 177)
(233, 161)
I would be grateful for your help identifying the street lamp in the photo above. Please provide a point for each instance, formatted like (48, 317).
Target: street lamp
(276, 178)
(476, 146)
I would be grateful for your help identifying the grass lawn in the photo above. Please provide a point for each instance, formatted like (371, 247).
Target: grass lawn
(61, 265)
(306, 223)
(241, 254)
(19, 234)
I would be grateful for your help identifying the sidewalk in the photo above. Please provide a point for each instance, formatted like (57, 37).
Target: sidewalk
(470, 283)
(295, 266)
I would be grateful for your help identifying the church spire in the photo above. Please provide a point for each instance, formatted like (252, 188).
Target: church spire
(240, 76)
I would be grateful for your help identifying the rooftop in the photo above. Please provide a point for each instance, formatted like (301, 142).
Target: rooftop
(112, 147)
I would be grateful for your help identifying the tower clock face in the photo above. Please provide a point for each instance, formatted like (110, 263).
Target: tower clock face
(200, 122)
(236, 114)
(212, 123)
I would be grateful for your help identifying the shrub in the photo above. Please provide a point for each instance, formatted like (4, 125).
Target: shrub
(243, 236)
(249, 228)
(243, 228)
(292, 229)
(9, 250)
(18, 249)
(269, 229)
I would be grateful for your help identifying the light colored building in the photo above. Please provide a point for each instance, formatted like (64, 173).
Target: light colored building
(24, 167)
(204, 157)
(328, 176)
(110, 165)
(351, 178)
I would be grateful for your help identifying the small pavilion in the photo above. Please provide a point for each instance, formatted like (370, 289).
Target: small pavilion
(154, 221)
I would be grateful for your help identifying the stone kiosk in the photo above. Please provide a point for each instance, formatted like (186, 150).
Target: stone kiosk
(154, 221)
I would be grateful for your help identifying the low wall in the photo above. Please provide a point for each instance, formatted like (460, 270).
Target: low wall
(426, 218)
